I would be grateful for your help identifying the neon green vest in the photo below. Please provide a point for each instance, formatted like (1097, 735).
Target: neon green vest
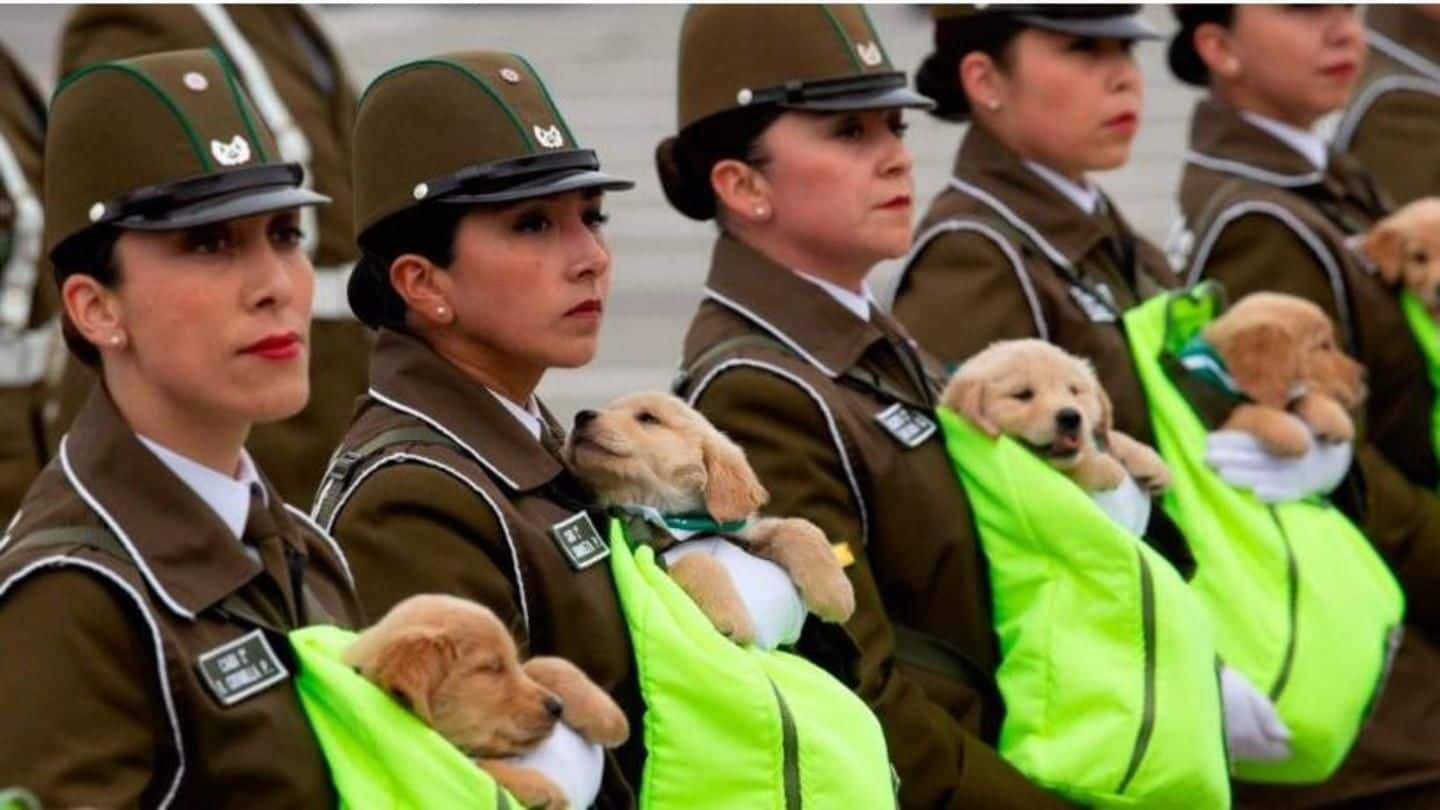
(728, 726)
(1301, 603)
(1107, 661)
(380, 755)
(1427, 337)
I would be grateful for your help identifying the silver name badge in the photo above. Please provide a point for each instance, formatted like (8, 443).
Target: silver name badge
(579, 541)
(1093, 307)
(908, 426)
(241, 668)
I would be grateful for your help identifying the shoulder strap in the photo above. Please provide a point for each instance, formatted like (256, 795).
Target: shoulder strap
(344, 466)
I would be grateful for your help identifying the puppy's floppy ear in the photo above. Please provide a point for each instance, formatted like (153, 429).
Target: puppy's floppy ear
(1384, 246)
(732, 490)
(967, 396)
(1107, 410)
(410, 666)
(1264, 359)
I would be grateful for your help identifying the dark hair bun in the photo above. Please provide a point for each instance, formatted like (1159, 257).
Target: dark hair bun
(686, 183)
(937, 80)
(371, 297)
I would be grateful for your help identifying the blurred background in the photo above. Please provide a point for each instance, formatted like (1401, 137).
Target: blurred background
(611, 69)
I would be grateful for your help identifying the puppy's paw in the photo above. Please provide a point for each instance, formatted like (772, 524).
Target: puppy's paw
(588, 710)
(1326, 417)
(1280, 433)
(1098, 472)
(709, 586)
(1144, 464)
(801, 548)
(530, 787)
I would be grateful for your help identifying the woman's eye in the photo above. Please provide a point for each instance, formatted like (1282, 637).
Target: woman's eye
(850, 131)
(532, 223)
(899, 128)
(209, 244)
(596, 219)
(647, 418)
(1084, 45)
(288, 235)
(1025, 394)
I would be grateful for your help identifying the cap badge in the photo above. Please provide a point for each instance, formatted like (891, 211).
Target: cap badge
(549, 137)
(196, 81)
(869, 53)
(510, 75)
(234, 153)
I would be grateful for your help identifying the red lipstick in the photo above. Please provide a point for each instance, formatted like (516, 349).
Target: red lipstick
(278, 346)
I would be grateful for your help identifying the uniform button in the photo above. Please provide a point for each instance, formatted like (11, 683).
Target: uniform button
(196, 81)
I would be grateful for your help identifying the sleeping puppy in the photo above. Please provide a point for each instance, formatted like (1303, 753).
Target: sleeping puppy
(1052, 402)
(452, 663)
(652, 450)
(1405, 249)
(1282, 353)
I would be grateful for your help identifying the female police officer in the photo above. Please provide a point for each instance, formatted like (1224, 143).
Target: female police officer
(790, 123)
(1268, 207)
(149, 579)
(480, 219)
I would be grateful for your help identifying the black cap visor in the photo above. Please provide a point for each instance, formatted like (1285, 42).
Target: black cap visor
(522, 179)
(872, 91)
(1119, 26)
(212, 198)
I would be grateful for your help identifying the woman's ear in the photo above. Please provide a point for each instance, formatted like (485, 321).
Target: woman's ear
(741, 191)
(1216, 49)
(982, 81)
(95, 311)
(424, 287)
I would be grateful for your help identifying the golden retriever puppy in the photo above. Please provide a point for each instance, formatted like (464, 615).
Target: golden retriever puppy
(1052, 402)
(653, 450)
(452, 662)
(1282, 353)
(1405, 249)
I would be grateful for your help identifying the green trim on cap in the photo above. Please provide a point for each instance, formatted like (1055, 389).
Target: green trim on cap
(545, 91)
(205, 164)
(875, 35)
(844, 39)
(525, 137)
(226, 70)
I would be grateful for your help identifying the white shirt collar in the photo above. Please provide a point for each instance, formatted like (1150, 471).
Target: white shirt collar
(858, 303)
(1086, 197)
(1308, 144)
(528, 416)
(228, 497)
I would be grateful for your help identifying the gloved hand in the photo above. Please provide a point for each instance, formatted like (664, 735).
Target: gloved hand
(765, 588)
(1242, 462)
(1127, 504)
(574, 764)
(1253, 728)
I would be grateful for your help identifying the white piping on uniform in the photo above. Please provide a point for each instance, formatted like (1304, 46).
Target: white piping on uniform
(329, 541)
(741, 362)
(1403, 55)
(1027, 286)
(1332, 271)
(402, 457)
(22, 270)
(1253, 172)
(1014, 219)
(63, 560)
(115, 529)
(1372, 94)
(771, 328)
(422, 416)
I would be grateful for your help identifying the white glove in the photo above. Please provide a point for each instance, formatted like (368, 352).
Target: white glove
(1127, 505)
(767, 591)
(1253, 729)
(1242, 462)
(573, 763)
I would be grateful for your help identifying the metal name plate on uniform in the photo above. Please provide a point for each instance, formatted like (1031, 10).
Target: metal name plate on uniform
(908, 426)
(1094, 309)
(240, 668)
(581, 543)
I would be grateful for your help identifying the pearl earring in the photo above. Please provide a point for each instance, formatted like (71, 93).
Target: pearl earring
(759, 212)
(440, 312)
(115, 340)
(993, 104)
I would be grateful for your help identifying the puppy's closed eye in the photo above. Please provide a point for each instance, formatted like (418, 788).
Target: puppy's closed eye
(647, 418)
(1024, 394)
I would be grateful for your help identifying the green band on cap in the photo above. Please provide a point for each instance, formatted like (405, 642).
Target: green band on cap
(545, 91)
(227, 69)
(525, 137)
(844, 38)
(874, 35)
(159, 92)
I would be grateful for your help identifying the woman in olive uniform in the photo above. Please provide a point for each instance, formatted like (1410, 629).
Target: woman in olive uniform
(149, 581)
(789, 138)
(1267, 206)
(485, 264)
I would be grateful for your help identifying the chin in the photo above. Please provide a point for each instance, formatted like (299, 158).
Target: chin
(278, 402)
(573, 355)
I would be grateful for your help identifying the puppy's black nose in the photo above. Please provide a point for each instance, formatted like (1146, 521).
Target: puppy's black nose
(555, 706)
(583, 418)
(1068, 420)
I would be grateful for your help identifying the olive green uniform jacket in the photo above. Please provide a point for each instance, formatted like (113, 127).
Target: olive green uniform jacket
(102, 700)
(1259, 216)
(29, 337)
(809, 427)
(468, 510)
(1392, 125)
(293, 73)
